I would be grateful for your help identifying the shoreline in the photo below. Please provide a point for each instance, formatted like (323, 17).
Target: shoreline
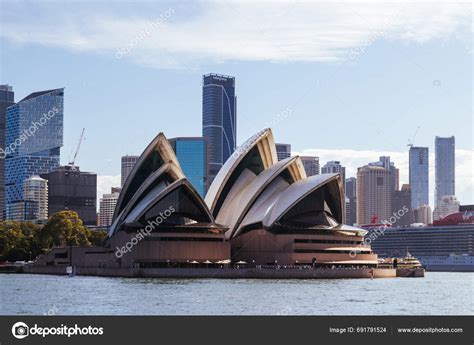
(225, 273)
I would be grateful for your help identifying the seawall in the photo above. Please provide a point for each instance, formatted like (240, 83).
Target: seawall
(227, 273)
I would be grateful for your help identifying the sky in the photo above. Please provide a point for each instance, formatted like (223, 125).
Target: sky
(354, 80)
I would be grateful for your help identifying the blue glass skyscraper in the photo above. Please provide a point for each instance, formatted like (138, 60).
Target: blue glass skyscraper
(192, 156)
(419, 176)
(34, 135)
(219, 119)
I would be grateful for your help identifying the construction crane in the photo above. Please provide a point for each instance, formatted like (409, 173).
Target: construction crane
(71, 163)
(411, 142)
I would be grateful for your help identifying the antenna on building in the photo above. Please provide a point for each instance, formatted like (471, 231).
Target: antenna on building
(71, 163)
(411, 142)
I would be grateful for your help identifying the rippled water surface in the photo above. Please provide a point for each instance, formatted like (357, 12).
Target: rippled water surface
(438, 293)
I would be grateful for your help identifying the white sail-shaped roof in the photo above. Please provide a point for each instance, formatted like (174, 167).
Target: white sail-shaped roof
(256, 154)
(297, 192)
(244, 194)
(157, 153)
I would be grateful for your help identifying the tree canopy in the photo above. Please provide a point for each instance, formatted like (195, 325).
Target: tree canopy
(26, 240)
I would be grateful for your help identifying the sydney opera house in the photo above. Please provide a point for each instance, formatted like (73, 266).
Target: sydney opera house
(258, 210)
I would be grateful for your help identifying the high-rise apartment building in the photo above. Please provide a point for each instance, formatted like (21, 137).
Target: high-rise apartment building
(219, 119)
(444, 168)
(419, 176)
(107, 208)
(75, 190)
(311, 165)
(373, 195)
(35, 189)
(192, 156)
(7, 99)
(283, 151)
(334, 167)
(127, 164)
(34, 136)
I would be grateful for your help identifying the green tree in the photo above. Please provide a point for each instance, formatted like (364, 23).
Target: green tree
(65, 228)
(97, 237)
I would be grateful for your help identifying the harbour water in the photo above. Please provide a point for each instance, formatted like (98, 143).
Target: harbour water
(439, 293)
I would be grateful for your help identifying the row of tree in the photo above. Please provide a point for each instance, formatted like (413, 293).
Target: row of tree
(26, 240)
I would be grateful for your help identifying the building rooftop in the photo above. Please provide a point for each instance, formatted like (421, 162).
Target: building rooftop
(39, 93)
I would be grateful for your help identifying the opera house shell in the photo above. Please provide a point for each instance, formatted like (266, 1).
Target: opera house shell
(257, 209)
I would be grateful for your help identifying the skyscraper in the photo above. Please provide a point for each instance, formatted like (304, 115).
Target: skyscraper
(107, 208)
(351, 200)
(401, 206)
(7, 99)
(373, 194)
(422, 215)
(334, 167)
(311, 165)
(34, 136)
(419, 176)
(444, 168)
(219, 119)
(35, 189)
(384, 161)
(75, 190)
(192, 156)
(283, 151)
(127, 164)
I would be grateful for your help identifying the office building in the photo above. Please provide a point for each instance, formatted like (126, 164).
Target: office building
(219, 119)
(334, 167)
(34, 136)
(384, 161)
(311, 165)
(419, 176)
(351, 201)
(447, 205)
(401, 206)
(373, 195)
(422, 215)
(107, 207)
(444, 168)
(127, 164)
(283, 151)
(7, 99)
(20, 211)
(192, 156)
(75, 190)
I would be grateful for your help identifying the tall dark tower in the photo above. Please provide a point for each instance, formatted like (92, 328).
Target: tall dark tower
(7, 98)
(219, 119)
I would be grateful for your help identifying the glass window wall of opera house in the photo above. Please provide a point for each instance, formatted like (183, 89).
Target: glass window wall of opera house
(258, 210)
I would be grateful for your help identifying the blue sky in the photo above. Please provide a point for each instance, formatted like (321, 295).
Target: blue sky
(356, 79)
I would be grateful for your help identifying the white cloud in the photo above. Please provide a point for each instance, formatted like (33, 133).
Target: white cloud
(221, 31)
(352, 159)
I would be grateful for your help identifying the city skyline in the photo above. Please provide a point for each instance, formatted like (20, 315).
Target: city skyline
(366, 90)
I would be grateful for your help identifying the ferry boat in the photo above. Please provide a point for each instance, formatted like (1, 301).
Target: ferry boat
(409, 261)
